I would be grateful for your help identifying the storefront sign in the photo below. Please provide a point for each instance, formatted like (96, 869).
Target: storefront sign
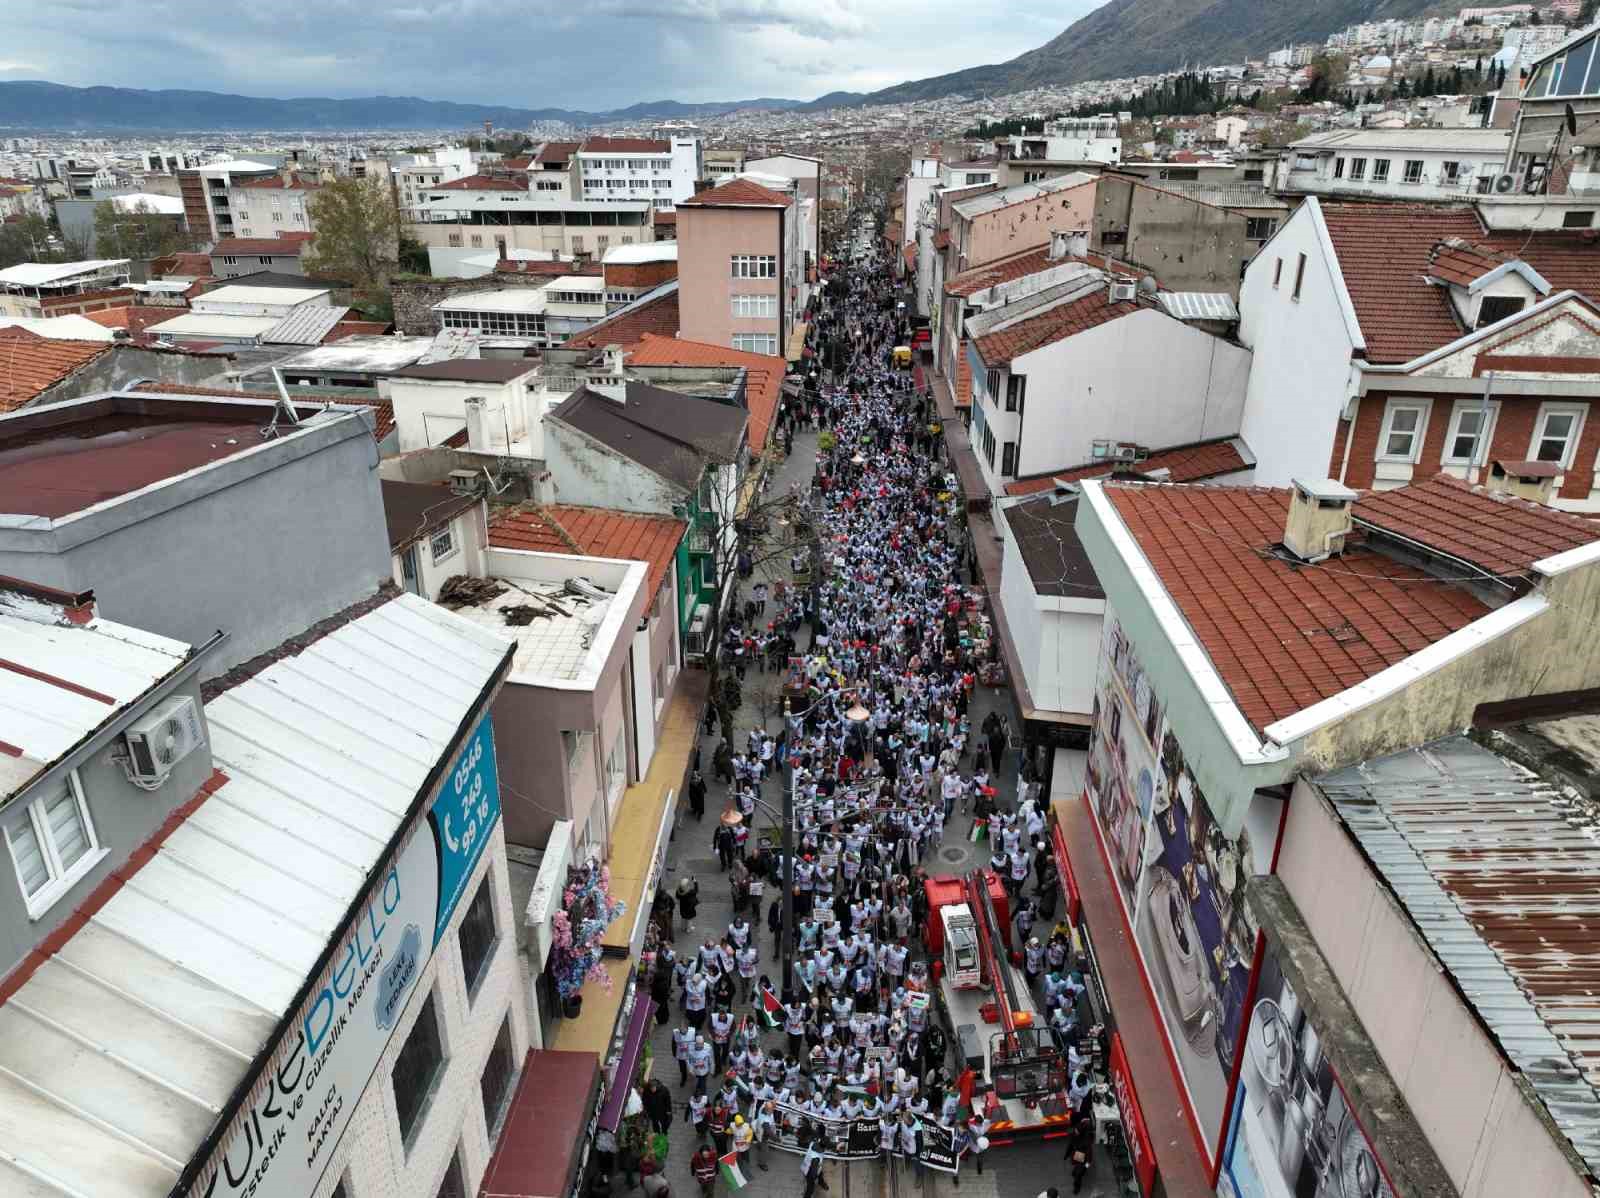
(293, 1119)
(1133, 1126)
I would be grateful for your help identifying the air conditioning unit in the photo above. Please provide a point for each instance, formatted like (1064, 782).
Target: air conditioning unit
(694, 641)
(1504, 184)
(163, 738)
(1124, 291)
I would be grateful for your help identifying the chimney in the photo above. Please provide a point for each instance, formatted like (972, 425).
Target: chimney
(613, 359)
(476, 441)
(1319, 519)
(1533, 481)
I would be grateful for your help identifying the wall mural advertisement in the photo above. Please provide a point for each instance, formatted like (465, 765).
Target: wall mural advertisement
(290, 1125)
(1293, 1135)
(1183, 880)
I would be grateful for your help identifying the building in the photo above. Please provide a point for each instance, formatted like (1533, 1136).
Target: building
(76, 217)
(506, 218)
(424, 172)
(282, 254)
(485, 398)
(1394, 164)
(241, 314)
(1543, 157)
(127, 491)
(1401, 331)
(39, 368)
(58, 288)
(1061, 146)
(208, 198)
(741, 267)
(1253, 636)
(657, 172)
(565, 306)
(805, 174)
(1087, 367)
(272, 205)
(1186, 238)
(632, 270)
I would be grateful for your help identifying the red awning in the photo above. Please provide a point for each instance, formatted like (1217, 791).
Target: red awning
(542, 1138)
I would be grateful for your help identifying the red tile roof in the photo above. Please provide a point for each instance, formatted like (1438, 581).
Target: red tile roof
(197, 266)
(1058, 323)
(289, 246)
(737, 193)
(659, 315)
(624, 145)
(557, 151)
(1496, 533)
(1384, 252)
(520, 162)
(134, 319)
(483, 183)
(381, 408)
(764, 377)
(357, 328)
(524, 266)
(1462, 263)
(1020, 265)
(30, 364)
(591, 532)
(1282, 635)
(1183, 463)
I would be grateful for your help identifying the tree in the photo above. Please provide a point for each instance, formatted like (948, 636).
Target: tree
(413, 256)
(26, 240)
(357, 236)
(138, 232)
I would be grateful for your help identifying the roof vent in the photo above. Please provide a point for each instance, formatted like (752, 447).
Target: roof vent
(1067, 243)
(1319, 519)
(1533, 481)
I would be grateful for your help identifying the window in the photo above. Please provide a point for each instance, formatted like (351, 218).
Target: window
(1299, 275)
(477, 239)
(455, 239)
(477, 935)
(1450, 172)
(1016, 389)
(495, 1084)
(1033, 176)
(507, 324)
(755, 305)
(1402, 433)
(755, 266)
(1277, 272)
(577, 245)
(1259, 228)
(1578, 220)
(976, 177)
(1380, 170)
(1493, 308)
(756, 343)
(1413, 170)
(1255, 175)
(452, 1184)
(265, 259)
(1358, 169)
(1338, 168)
(1556, 435)
(52, 843)
(417, 1070)
(991, 385)
(229, 260)
(1468, 424)
(1008, 459)
(277, 218)
(442, 544)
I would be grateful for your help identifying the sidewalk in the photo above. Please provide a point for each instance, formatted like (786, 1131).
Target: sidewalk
(633, 840)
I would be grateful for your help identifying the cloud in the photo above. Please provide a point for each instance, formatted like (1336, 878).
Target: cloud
(532, 54)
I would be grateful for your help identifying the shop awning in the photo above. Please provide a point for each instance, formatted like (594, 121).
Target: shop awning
(797, 341)
(633, 1042)
(542, 1139)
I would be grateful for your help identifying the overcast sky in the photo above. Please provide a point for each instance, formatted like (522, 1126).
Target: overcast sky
(587, 54)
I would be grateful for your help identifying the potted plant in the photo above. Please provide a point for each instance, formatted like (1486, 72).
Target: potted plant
(587, 909)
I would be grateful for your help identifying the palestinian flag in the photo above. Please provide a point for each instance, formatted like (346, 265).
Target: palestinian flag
(980, 828)
(732, 1174)
(771, 1009)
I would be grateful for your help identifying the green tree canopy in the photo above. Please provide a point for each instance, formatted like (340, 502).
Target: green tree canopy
(138, 232)
(357, 235)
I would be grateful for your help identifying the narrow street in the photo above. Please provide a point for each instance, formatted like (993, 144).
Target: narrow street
(1020, 1170)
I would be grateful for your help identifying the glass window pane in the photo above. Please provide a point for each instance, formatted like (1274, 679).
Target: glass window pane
(32, 869)
(67, 832)
(416, 1067)
(477, 934)
(496, 1081)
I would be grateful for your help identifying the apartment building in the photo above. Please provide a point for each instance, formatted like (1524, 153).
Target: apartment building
(1394, 164)
(1544, 157)
(741, 264)
(207, 194)
(273, 205)
(414, 178)
(624, 170)
(1060, 146)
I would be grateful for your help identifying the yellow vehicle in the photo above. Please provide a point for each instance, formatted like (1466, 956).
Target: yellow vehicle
(902, 357)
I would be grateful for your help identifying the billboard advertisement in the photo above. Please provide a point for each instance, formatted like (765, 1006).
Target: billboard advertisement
(1293, 1134)
(1182, 880)
(291, 1123)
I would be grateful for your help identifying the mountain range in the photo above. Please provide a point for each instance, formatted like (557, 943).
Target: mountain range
(1123, 38)
(35, 104)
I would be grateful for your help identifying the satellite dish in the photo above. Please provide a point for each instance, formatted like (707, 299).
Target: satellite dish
(1148, 286)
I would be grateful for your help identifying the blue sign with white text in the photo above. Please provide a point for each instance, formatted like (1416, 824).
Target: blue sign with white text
(463, 816)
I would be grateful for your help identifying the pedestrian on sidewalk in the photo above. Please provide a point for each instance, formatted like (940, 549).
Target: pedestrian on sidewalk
(722, 843)
(697, 795)
(657, 1100)
(688, 891)
(1080, 1151)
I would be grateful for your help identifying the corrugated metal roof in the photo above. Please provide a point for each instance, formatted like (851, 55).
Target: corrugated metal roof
(305, 326)
(1198, 305)
(122, 1049)
(1500, 872)
(78, 677)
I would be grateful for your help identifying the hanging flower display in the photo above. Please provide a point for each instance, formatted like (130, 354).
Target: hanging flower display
(587, 909)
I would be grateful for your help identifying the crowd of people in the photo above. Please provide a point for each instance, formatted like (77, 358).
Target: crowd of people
(876, 734)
